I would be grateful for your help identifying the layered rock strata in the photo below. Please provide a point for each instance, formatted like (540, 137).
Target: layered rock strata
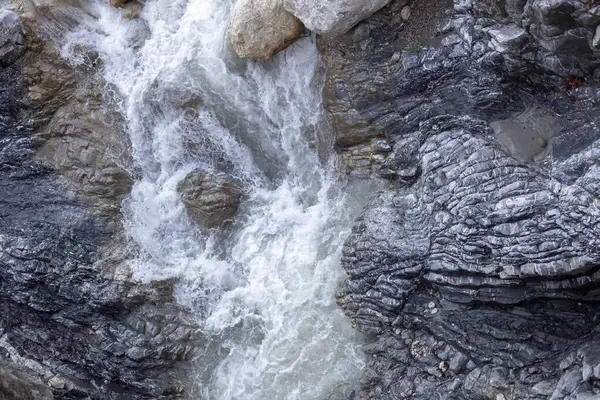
(476, 270)
(73, 323)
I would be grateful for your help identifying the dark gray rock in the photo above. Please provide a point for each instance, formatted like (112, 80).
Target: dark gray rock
(72, 322)
(12, 37)
(476, 269)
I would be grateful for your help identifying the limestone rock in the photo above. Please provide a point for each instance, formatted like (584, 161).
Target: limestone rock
(211, 198)
(332, 17)
(260, 28)
(482, 253)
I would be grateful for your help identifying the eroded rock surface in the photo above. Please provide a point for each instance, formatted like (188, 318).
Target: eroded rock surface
(476, 270)
(332, 17)
(210, 198)
(258, 29)
(73, 325)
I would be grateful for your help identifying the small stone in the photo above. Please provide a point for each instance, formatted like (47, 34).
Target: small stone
(434, 311)
(405, 13)
(56, 383)
(443, 366)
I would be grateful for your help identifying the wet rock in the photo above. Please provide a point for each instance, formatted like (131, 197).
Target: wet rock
(12, 37)
(210, 198)
(491, 211)
(333, 17)
(132, 9)
(70, 309)
(258, 29)
(365, 159)
(77, 132)
(17, 385)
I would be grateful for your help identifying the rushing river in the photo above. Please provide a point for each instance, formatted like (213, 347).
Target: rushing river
(264, 289)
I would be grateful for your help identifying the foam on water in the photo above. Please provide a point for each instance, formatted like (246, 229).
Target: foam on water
(266, 292)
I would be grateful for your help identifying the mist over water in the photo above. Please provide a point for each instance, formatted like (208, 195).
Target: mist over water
(264, 289)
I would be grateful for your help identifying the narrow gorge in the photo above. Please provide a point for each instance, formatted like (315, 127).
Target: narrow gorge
(299, 199)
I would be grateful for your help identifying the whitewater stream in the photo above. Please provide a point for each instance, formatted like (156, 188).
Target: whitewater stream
(264, 288)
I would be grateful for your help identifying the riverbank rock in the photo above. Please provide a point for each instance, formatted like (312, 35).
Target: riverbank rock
(332, 17)
(74, 324)
(476, 269)
(16, 385)
(210, 198)
(258, 29)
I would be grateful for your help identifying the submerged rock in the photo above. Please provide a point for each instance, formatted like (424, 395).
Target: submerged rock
(210, 198)
(332, 17)
(476, 269)
(258, 29)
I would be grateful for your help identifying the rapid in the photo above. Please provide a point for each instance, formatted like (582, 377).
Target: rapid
(263, 289)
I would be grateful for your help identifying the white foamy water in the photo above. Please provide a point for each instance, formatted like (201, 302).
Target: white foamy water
(264, 292)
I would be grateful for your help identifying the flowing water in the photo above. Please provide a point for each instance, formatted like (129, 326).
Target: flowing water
(263, 289)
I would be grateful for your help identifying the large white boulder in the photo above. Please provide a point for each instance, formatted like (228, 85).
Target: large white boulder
(332, 17)
(260, 28)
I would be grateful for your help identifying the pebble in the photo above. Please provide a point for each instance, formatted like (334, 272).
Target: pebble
(405, 13)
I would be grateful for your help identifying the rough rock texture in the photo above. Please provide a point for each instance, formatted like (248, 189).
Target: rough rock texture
(131, 8)
(476, 270)
(15, 385)
(260, 28)
(332, 17)
(72, 322)
(210, 198)
(83, 138)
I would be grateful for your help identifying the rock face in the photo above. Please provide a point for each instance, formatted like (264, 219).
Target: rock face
(332, 17)
(260, 28)
(73, 324)
(476, 269)
(15, 385)
(210, 198)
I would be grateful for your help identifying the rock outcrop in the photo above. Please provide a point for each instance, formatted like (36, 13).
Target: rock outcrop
(332, 17)
(73, 322)
(258, 29)
(210, 198)
(476, 269)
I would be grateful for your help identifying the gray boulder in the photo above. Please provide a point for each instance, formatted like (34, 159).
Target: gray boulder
(332, 17)
(258, 29)
(210, 198)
